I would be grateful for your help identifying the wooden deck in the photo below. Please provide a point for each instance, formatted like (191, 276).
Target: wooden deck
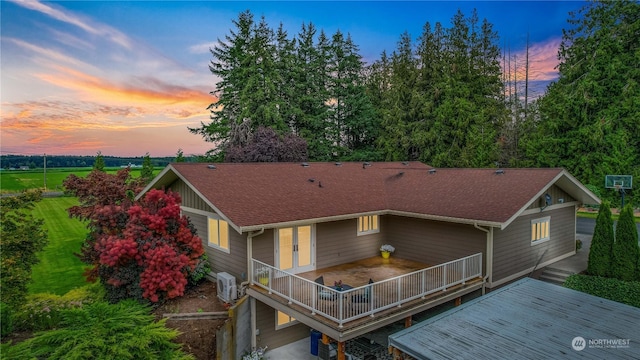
(359, 272)
(400, 289)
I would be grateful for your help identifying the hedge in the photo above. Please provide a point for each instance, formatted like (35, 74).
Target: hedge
(626, 292)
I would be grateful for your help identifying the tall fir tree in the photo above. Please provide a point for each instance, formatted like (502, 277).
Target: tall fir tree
(589, 116)
(625, 249)
(601, 250)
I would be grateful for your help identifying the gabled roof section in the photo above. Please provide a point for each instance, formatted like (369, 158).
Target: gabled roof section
(255, 195)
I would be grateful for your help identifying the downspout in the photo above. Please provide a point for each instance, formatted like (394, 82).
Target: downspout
(489, 258)
(250, 236)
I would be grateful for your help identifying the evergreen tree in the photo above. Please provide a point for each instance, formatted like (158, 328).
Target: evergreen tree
(589, 116)
(601, 250)
(352, 127)
(98, 164)
(231, 64)
(179, 156)
(396, 138)
(625, 249)
(146, 173)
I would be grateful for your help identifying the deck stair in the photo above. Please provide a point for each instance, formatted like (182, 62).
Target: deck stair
(555, 276)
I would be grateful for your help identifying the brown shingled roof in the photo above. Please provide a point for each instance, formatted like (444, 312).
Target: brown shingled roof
(251, 195)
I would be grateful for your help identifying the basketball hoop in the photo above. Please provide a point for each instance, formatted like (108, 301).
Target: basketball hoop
(618, 187)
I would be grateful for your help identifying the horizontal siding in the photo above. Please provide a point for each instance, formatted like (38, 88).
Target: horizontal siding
(432, 242)
(234, 262)
(263, 247)
(512, 249)
(338, 243)
(269, 336)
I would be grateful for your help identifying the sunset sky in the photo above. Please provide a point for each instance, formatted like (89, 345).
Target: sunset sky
(128, 78)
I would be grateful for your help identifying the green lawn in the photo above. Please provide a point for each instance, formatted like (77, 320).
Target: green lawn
(12, 181)
(59, 270)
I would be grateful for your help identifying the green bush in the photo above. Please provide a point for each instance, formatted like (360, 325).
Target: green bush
(43, 311)
(625, 249)
(126, 330)
(200, 272)
(601, 250)
(6, 320)
(626, 292)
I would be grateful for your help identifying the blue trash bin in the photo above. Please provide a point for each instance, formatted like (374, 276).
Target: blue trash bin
(315, 339)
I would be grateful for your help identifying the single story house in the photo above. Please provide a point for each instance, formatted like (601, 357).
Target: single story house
(303, 240)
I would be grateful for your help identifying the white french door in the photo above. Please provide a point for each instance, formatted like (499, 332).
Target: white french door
(295, 249)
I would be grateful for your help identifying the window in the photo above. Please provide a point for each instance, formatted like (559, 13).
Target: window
(283, 320)
(219, 234)
(368, 224)
(540, 230)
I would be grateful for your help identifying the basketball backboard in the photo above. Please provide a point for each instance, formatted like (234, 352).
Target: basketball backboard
(624, 182)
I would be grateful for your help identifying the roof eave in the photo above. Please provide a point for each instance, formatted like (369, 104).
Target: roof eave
(478, 222)
(586, 194)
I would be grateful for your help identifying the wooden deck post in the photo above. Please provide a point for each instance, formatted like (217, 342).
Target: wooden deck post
(407, 321)
(458, 301)
(341, 350)
(325, 339)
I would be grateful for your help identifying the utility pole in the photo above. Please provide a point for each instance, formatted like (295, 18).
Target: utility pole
(45, 172)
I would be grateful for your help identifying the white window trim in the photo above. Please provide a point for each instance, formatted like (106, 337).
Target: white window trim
(292, 321)
(546, 219)
(216, 246)
(370, 231)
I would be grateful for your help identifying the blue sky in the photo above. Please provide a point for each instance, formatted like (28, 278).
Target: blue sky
(127, 78)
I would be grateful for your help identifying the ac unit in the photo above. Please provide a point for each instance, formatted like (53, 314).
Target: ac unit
(226, 287)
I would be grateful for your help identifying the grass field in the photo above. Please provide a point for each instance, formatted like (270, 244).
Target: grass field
(12, 181)
(59, 270)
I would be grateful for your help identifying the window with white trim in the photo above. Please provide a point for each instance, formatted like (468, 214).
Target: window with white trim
(540, 229)
(368, 224)
(218, 234)
(283, 320)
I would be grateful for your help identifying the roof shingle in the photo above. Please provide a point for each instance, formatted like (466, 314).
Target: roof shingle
(255, 194)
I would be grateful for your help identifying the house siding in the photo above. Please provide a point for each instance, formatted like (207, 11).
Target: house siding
(556, 194)
(432, 242)
(512, 249)
(338, 243)
(269, 336)
(234, 262)
(189, 197)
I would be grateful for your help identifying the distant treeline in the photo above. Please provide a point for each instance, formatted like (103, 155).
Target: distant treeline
(59, 161)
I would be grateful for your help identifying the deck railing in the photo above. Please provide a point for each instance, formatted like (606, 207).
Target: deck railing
(367, 300)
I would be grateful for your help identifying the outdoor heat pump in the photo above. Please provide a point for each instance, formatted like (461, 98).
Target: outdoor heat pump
(226, 287)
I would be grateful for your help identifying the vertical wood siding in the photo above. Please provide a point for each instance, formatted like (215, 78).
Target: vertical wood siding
(189, 197)
(512, 249)
(556, 194)
(433, 242)
(269, 336)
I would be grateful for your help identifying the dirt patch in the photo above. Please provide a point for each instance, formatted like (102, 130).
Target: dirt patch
(198, 337)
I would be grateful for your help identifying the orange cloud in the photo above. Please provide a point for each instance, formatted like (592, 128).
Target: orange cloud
(150, 91)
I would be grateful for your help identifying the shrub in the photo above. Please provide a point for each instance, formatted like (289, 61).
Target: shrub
(200, 272)
(125, 330)
(625, 248)
(6, 320)
(600, 252)
(626, 292)
(43, 311)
